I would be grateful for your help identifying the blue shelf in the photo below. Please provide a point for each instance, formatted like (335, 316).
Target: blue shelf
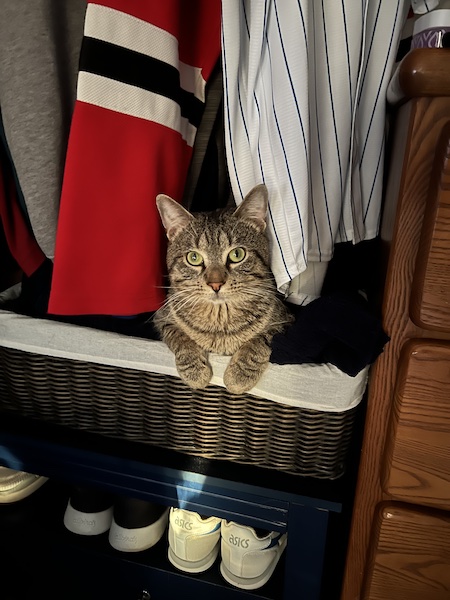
(258, 497)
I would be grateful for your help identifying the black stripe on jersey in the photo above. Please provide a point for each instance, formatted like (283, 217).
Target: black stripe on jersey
(148, 73)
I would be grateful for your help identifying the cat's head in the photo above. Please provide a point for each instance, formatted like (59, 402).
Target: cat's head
(221, 256)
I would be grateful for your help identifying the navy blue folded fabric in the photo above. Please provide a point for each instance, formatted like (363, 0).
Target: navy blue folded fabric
(338, 328)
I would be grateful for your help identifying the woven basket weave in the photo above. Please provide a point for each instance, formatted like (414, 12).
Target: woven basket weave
(161, 410)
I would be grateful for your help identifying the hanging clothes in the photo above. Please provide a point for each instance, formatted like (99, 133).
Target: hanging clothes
(141, 86)
(207, 185)
(40, 44)
(304, 91)
(19, 239)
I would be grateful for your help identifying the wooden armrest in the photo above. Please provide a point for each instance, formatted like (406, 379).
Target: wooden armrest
(425, 72)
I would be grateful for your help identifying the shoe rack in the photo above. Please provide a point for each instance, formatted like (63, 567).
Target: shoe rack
(314, 513)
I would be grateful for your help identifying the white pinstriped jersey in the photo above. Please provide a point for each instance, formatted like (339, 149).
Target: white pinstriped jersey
(304, 86)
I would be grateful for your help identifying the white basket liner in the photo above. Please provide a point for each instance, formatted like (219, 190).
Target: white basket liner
(321, 387)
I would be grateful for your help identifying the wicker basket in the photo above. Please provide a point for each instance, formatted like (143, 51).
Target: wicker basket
(161, 410)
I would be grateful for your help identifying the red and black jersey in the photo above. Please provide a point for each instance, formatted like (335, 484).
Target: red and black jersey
(140, 98)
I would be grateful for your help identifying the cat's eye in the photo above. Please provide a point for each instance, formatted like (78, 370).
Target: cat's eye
(237, 255)
(194, 258)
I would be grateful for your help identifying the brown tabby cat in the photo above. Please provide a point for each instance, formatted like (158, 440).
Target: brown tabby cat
(222, 296)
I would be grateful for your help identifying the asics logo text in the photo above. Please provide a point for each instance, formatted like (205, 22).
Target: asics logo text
(183, 523)
(239, 542)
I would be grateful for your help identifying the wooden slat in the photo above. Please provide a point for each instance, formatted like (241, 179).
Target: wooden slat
(417, 459)
(410, 556)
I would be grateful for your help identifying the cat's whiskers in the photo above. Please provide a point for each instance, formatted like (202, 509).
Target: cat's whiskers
(261, 293)
(176, 299)
(176, 305)
(181, 303)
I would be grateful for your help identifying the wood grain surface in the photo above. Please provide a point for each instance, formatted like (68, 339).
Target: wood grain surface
(417, 459)
(430, 298)
(424, 72)
(419, 124)
(410, 555)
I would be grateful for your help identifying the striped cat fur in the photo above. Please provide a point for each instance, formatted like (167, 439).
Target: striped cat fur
(222, 296)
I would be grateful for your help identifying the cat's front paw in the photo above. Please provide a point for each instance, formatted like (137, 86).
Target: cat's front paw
(238, 380)
(196, 372)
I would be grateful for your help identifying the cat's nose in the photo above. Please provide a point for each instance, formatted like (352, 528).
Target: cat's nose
(215, 285)
(215, 277)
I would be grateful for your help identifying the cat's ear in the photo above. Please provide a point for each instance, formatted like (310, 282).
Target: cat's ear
(253, 208)
(174, 217)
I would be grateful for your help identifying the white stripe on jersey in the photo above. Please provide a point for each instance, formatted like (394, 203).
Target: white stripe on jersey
(134, 101)
(304, 96)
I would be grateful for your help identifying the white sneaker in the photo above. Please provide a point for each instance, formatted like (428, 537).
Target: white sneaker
(249, 559)
(193, 540)
(16, 485)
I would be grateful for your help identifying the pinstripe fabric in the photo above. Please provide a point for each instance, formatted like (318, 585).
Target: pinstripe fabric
(304, 94)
